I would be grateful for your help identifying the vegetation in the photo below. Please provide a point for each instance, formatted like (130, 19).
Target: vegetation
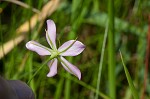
(114, 64)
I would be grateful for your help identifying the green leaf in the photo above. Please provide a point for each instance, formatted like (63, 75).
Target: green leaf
(100, 19)
(131, 85)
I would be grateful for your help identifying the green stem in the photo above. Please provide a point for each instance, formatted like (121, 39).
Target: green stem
(40, 69)
(68, 81)
(101, 61)
(103, 96)
(30, 67)
(111, 51)
(68, 84)
(67, 88)
(96, 6)
(59, 89)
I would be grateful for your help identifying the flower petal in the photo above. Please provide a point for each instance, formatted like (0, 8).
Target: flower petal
(53, 68)
(38, 48)
(51, 33)
(71, 48)
(70, 68)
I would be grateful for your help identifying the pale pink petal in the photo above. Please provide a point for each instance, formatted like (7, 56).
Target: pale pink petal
(70, 68)
(51, 33)
(38, 48)
(53, 68)
(73, 50)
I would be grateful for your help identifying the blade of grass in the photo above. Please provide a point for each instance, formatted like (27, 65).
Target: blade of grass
(23, 5)
(30, 69)
(147, 58)
(120, 25)
(47, 10)
(30, 59)
(45, 62)
(85, 85)
(67, 87)
(101, 61)
(59, 89)
(131, 85)
(96, 6)
(21, 66)
(111, 50)
(8, 46)
(75, 25)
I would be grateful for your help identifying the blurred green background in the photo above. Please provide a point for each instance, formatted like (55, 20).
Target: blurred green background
(87, 20)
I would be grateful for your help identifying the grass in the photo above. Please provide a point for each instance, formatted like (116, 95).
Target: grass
(103, 75)
(111, 51)
(132, 87)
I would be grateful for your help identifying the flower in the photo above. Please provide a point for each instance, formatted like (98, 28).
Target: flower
(69, 48)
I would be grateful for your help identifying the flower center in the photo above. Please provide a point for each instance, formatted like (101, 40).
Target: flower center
(54, 54)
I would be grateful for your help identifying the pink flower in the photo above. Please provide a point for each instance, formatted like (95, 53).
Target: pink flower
(69, 48)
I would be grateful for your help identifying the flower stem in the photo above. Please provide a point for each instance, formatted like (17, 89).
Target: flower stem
(40, 68)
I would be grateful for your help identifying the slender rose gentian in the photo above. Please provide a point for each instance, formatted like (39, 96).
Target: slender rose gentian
(69, 48)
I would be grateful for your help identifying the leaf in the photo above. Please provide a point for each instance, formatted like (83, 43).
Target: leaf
(131, 85)
(100, 19)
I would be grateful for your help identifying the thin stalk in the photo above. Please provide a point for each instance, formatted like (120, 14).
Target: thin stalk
(40, 69)
(67, 87)
(59, 89)
(96, 6)
(68, 81)
(70, 36)
(76, 23)
(101, 61)
(30, 62)
(147, 58)
(30, 67)
(12, 56)
(130, 82)
(87, 86)
(23, 5)
(111, 51)
(2, 43)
